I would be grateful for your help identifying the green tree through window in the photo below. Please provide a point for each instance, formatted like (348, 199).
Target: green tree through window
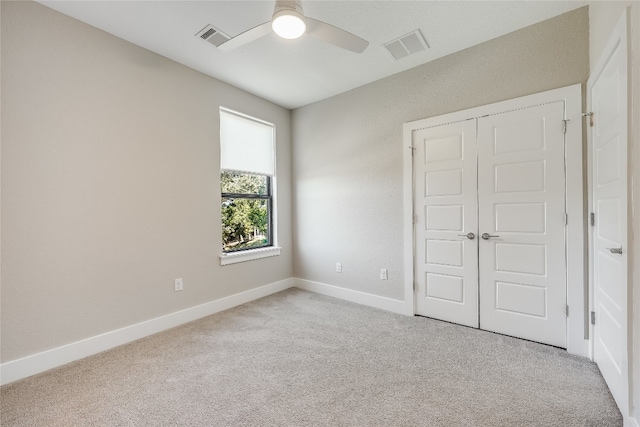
(246, 208)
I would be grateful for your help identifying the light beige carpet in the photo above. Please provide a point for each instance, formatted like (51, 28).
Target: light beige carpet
(302, 359)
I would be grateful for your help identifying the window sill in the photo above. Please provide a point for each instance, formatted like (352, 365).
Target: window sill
(250, 255)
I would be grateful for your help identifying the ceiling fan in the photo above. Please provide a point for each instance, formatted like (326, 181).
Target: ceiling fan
(289, 22)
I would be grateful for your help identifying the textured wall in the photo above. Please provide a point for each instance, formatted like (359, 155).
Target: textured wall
(347, 152)
(110, 183)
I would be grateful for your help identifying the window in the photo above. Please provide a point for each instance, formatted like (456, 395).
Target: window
(247, 175)
(246, 211)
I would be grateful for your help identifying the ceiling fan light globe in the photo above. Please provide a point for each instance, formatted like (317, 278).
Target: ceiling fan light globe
(288, 24)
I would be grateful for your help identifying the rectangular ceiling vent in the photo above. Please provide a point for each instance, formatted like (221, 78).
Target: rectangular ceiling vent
(213, 35)
(406, 45)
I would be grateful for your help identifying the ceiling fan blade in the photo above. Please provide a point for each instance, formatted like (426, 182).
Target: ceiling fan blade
(335, 36)
(247, 37)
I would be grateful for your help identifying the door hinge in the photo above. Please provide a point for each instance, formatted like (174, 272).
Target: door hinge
(413, 149)
(566, 310)
(592, 219)
(590, 115)
(593, 317)
(564, 126)
(415, 219)
(414, 286)
(566, 218)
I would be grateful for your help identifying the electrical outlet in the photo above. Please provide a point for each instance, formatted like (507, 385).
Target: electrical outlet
(179, 285)
(383, 274)
(338, 267)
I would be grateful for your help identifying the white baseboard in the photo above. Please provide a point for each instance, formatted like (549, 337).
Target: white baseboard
(631, 422)
(388, 304)
(36, 363)
(49, 359)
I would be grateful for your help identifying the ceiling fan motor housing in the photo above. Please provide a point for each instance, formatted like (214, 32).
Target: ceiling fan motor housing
(288, 20)
(287, 6)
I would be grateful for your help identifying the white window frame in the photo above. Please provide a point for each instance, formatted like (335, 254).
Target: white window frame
(227, 258)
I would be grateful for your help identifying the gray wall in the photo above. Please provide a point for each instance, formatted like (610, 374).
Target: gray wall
(110, 183)
(347, 150)
(110, 176)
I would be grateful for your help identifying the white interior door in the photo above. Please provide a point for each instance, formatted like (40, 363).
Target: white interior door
(521, 192)
(445, 212)
(607, 91)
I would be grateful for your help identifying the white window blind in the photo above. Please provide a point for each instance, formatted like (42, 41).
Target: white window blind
(246, 145)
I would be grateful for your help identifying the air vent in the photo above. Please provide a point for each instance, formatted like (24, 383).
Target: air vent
(213, 35)
(406, 45)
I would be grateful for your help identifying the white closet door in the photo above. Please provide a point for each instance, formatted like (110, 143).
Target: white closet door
(521, 192)
(445, 208)
(607, 89)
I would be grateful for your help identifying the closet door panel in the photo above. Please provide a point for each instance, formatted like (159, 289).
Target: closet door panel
(521, 193)
(445, 210)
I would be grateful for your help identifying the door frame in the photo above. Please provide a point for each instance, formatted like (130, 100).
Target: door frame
(577, 287)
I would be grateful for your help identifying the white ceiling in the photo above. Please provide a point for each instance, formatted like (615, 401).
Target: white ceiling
(298, 72)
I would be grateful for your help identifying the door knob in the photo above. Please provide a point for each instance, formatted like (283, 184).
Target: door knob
(469, 236)
(487, 236)
(615, 250)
